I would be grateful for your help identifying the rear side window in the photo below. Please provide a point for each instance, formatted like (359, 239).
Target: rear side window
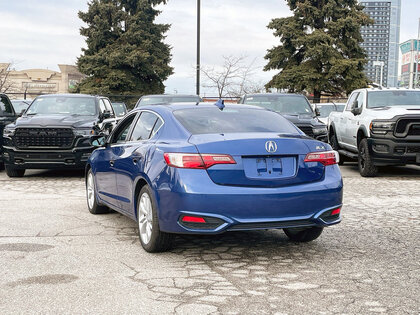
(144, 126)
(5, 105)
(233, 120)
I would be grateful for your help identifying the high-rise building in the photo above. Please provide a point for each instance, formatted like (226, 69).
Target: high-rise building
(381, 40)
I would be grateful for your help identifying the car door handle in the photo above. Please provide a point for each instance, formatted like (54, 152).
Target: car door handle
(111, 163)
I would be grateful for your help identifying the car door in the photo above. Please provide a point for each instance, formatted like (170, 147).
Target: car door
(343, 136)
(132, 161)
(353, 122)
(106, 179)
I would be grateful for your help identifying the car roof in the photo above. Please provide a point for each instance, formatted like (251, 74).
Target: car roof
(69, 95)
(178, 106)
(171, 95)
(275, 94)
(384, 89)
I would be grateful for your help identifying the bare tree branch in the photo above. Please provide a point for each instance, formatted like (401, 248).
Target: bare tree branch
(5, 83)
(234, 78)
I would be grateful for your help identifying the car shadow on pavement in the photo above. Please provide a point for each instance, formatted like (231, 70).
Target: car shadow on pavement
(259, 241)
(55, 173)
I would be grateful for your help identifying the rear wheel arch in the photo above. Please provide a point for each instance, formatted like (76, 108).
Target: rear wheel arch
(141, 182)
(87, 169)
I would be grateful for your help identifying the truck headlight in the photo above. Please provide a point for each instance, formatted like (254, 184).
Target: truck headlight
(381, 127)
(320, 130)
(84, 132)
(8, 132)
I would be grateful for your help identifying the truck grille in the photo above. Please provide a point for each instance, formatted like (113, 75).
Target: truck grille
(408, 127)
(307, 130)
(43, 137)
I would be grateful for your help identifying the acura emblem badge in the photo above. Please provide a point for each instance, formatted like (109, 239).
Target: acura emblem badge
(270, 146)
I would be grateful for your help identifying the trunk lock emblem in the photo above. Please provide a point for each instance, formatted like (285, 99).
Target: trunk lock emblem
(270, 146)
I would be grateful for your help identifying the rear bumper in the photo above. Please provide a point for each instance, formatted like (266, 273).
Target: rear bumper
(394, 152)
(247, 208)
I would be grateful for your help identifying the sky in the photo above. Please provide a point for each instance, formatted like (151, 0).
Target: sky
(45, 33)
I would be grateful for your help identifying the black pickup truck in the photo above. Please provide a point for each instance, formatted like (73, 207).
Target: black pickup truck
(55, 132)
(296, 108)
(7, 116)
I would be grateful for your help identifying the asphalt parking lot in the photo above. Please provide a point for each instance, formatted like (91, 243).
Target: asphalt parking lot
(56, 257)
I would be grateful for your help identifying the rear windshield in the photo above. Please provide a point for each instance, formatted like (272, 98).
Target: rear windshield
(119, 109)
(393, 98)
(325, 110)
(233, 120)
(67, 105)
(284, 104)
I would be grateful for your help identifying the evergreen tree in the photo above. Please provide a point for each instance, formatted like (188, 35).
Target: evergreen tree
(320, 48)
(125, 51)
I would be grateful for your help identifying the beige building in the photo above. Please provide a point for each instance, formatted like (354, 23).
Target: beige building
(34, 82)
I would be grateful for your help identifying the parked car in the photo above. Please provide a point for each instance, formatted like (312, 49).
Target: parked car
(20, 106)
(163, 99)
(205, 170)
(55, 131)
(326, 108)
(120, 109)
(7, 116)
(295, 108)
(378, 127)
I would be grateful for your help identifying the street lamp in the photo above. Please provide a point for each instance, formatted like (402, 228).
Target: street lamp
(198, 46)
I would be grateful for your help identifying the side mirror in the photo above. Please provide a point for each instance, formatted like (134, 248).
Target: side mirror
(317, 112)
(356, 111)
(98, 141)
(105, 115)
(21, 113)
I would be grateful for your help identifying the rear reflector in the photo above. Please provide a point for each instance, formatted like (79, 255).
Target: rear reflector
(336, 211)
(325, 158)
(193, 219)
(197, 161)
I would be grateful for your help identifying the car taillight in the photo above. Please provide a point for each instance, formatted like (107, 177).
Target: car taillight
(325, 158)
(197, 161)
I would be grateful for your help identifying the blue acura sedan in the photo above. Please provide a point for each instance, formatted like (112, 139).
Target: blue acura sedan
(207, 169)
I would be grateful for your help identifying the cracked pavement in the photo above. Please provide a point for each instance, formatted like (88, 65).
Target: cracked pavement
(56, 257)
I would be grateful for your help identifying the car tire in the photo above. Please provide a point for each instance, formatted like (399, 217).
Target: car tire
(14, 172)
(303, 234)
(366, 167)
(92, 201)
(336, 147)
(152, 239)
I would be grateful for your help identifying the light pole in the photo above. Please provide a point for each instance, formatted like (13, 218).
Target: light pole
(416, 58)
(380, 64)
(198, 46)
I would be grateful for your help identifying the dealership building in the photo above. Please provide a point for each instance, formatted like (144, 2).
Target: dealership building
(33, 82)
(381, 40)
(409, 50)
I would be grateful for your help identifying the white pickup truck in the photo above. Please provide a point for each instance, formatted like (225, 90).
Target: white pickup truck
(379, 126)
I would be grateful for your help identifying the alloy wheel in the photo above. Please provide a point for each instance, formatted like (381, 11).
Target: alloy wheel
(145, 218)
(90, 191)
